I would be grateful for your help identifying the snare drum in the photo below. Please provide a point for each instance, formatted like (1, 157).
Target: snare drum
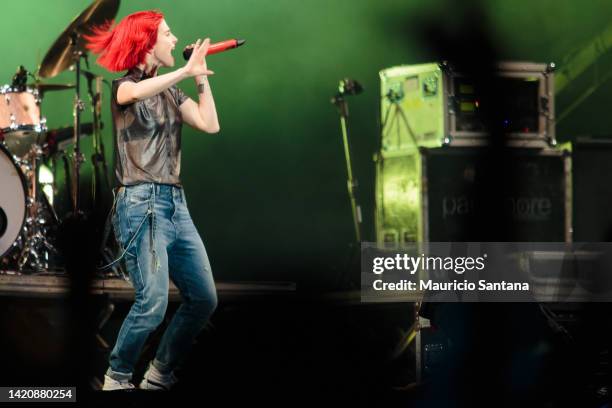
(21, 125)
(12, 200)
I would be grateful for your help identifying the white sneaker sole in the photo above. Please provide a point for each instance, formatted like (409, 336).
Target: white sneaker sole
(151, 386)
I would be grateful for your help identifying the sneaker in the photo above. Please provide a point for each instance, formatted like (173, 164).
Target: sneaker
(156, 381)
(110, 384)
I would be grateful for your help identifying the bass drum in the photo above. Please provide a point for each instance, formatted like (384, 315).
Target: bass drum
(13, 200)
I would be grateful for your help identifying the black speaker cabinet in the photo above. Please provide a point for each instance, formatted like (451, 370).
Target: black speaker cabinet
(463, 193)
(591, 171)
(524, 192)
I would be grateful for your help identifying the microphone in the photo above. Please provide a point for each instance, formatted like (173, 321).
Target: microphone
(215, 48)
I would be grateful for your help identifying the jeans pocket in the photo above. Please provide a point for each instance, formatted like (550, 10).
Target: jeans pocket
(138, 203)
(130, 224)
(139, 194)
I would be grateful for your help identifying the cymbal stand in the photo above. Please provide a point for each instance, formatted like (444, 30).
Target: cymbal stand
(98, 157)
(78, 108)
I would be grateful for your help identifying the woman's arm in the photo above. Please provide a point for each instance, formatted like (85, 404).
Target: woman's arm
(203, 115)
(130, 92)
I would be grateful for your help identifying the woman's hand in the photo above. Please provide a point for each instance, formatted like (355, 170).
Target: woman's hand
(196, 66)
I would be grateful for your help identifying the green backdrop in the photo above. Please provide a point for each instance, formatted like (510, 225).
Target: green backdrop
(268, 193)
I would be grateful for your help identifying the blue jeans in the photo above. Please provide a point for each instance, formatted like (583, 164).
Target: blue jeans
(152, 224)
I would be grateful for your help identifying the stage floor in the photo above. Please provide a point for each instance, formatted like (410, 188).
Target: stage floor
(12, 284)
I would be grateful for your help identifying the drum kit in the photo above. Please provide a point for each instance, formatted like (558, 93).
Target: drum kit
(28, 218)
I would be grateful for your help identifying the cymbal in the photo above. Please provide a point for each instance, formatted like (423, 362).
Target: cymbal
(42, 87)
(60, 55)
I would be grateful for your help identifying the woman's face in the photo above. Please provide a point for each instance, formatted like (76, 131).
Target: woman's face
(166, 41)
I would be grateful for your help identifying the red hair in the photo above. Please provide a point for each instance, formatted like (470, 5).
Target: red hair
(125, 45)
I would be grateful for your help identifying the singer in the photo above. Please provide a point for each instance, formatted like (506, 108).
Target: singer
(151, 221)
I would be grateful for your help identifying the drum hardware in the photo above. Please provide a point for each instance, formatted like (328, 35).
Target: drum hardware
(60, 57)
(46, 87)
(36, 250)
(26, 215)
(23, 135)
(21, 121)
(66, 53)
(13, 201)
(98, 159)
(59, 139)
(20, 78)
(78, 157)
(68, 50)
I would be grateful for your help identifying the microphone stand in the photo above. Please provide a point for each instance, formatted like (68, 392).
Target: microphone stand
(340, 102)
(349, 87)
